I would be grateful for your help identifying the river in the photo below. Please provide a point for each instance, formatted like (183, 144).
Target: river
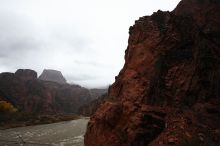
(68, 133)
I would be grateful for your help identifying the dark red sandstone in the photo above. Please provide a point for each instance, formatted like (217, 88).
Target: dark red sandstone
(168, 92)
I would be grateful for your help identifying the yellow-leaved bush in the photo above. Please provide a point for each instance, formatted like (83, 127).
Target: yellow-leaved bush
(6, 107)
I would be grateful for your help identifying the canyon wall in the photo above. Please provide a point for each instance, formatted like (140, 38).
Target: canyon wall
(168, 92)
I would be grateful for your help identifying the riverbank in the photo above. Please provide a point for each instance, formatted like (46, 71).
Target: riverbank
(67, 133)
(30, 120)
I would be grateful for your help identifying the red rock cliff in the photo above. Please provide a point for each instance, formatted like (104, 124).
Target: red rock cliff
(168, 92)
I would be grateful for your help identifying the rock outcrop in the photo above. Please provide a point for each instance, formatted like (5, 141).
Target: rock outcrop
(53, 76)
(168, 92)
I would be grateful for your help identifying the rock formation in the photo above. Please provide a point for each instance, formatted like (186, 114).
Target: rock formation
(168, 92)
(31, 95)
(53, 76)
(91, 107)
(98, 97)
(96, 93)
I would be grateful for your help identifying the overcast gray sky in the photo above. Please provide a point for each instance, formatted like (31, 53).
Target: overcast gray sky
(84, 39)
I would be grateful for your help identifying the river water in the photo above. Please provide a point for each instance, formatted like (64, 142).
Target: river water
(68, 133)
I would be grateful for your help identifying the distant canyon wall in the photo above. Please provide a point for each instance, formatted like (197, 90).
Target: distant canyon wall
(48, 95)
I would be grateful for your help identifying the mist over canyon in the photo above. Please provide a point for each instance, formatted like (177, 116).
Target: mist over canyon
(166, 93)
(79, 38)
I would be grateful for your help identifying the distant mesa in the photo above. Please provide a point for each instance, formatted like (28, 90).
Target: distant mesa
(52, 75)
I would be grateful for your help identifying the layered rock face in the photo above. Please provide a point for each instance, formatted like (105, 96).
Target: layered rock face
(168, 92)
(53, 76)
(31, 95)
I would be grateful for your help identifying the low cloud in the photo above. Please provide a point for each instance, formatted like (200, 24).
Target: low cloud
(85, 39)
